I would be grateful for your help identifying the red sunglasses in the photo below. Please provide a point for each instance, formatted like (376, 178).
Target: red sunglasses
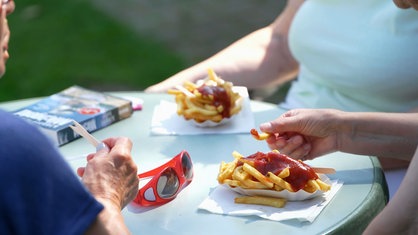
(167, 181)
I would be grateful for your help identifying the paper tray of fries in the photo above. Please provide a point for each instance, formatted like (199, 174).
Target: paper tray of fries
(209, 102)
(285, 194)
(209, 123)
(221, 201)
(165, 120)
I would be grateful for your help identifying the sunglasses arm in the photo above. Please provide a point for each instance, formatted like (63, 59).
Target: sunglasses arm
(153, 171)
(160, 168)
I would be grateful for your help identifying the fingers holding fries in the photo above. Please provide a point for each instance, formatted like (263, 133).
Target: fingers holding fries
(291, 144)
(258, 136)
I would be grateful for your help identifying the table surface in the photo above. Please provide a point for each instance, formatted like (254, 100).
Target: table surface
(361, 197)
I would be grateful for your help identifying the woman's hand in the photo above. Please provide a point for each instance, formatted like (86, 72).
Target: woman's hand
(405, 4)
(303, 133)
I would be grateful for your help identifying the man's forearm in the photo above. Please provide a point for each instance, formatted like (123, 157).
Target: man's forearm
(109, 221)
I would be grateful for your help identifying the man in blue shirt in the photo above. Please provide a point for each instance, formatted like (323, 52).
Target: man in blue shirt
(40, 194)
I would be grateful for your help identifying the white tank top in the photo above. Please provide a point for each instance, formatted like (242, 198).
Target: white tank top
(355, 55)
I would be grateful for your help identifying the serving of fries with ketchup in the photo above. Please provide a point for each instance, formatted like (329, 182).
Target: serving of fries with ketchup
(271, 171)
(209, 102)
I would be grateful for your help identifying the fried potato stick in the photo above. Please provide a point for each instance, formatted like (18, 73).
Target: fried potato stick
(261, 200)
(279, 181)
(256, 174)
(259, 136)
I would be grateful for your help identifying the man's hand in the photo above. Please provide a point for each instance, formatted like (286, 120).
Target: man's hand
(112, 176)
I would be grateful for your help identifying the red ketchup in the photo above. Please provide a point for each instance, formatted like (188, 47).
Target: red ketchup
(220, 97)
(300, 173)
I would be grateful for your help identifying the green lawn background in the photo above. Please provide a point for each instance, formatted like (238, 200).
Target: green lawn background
(56, 44)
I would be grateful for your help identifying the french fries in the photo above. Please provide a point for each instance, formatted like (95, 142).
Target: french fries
(257, 175)
(280, 182)
(259, 136)
(213, 100)
(242, 172)
(261, 200)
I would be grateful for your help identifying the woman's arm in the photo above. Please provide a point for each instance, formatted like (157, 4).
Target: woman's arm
(392, 135)
(400, 215)
(259, 59)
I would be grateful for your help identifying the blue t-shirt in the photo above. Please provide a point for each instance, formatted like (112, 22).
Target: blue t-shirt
(39, 192)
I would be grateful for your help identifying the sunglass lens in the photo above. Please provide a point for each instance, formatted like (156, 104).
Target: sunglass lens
(187, 166)
(168, 183)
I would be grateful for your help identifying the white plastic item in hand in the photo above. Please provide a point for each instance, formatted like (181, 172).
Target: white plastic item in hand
(79, 129)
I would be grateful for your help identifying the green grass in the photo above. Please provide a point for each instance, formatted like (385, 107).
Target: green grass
(56, 44)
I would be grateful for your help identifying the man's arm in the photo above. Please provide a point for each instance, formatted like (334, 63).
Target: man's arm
(113, 180)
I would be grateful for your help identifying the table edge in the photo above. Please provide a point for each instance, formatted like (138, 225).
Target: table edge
(355, 221)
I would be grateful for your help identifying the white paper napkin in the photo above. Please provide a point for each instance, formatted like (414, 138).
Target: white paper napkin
(165, 120)
(221, 201)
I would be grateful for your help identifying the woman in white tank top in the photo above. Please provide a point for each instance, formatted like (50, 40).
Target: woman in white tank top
(353, 55)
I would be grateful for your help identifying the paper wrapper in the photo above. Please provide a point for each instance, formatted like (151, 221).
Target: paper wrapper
(221, 201)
